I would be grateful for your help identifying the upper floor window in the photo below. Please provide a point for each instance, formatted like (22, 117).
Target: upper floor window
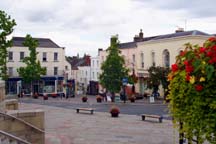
(93, 63)
(134, 58)
(66, 67)
(97, 63)
(22, 55)
(166, 58)
(55, 56)
(10, 56)
(10, 71)
(44, 56)
(142, 60)
(153, 58)
(55, 70)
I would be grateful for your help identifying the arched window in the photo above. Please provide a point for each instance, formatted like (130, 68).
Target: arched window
(166, 58)
(153, 58)
(142, 60)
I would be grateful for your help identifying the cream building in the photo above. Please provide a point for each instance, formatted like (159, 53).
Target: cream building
(161, 51)
(50, 55)
(144, 52)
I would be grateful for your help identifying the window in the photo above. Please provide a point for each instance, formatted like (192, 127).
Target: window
(142, 60)
(10, 71)
(46, 70)
(55, 70)
(134, 60)
(93, 75)
(66, 67)
(153, 58)
(55, 56)
(92, 63)
(22, 56)
(97, 63)
(97, 74)
(10, 56)
(44, 56)
(166, 58)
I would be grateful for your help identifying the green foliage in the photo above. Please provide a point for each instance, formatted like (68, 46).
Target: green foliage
(33, 69)
(157, 76)
(6, 28)
(192, 91)
(113, 70)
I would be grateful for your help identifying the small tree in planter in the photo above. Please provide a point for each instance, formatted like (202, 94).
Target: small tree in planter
(114, 111)
(99, 98)
(84, 99)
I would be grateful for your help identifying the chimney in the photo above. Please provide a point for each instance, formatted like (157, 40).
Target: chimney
(141, 34)
(99, 50)
(139, 38)
(113, 39)
(179, 30)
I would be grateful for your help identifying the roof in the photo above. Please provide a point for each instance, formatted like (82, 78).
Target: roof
(43, 42)
(76, 61)
(159, 37)
(127, 45)
(180, 34)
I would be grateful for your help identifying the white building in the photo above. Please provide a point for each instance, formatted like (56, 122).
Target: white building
(95, 68)
(50, 55)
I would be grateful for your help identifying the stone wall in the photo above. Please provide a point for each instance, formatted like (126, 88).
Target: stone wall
(2, 96)
(25, 131)
(11, 104)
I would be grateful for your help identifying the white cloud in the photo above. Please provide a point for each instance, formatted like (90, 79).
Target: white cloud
(84, 26)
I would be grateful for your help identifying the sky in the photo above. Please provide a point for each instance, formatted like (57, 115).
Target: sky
(83, 26)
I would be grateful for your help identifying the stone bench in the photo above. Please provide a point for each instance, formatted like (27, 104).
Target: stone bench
(91, 110)
(160, 118)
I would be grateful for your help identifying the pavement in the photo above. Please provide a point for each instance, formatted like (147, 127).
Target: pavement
(65, 126)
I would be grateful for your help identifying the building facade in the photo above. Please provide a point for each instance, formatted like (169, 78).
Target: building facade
(161, 50)
(50, 55)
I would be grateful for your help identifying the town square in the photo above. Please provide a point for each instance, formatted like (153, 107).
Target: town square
(107, 72)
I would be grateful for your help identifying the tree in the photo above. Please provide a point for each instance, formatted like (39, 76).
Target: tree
(157, 76)
(6, 28)
(33, 69)
(113, 68)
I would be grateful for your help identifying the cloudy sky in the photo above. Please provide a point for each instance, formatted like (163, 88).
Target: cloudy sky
(83, 26)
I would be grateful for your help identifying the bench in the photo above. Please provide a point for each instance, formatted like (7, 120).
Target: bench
(85, 109)
(160, 118)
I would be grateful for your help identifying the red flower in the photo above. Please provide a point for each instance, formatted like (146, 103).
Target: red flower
(199, 87)
(189, 68)
(182, 53)
(212, 39)
(202, 49)
(187, 77)
(209, 54)
(174, 67)
(186, 62)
